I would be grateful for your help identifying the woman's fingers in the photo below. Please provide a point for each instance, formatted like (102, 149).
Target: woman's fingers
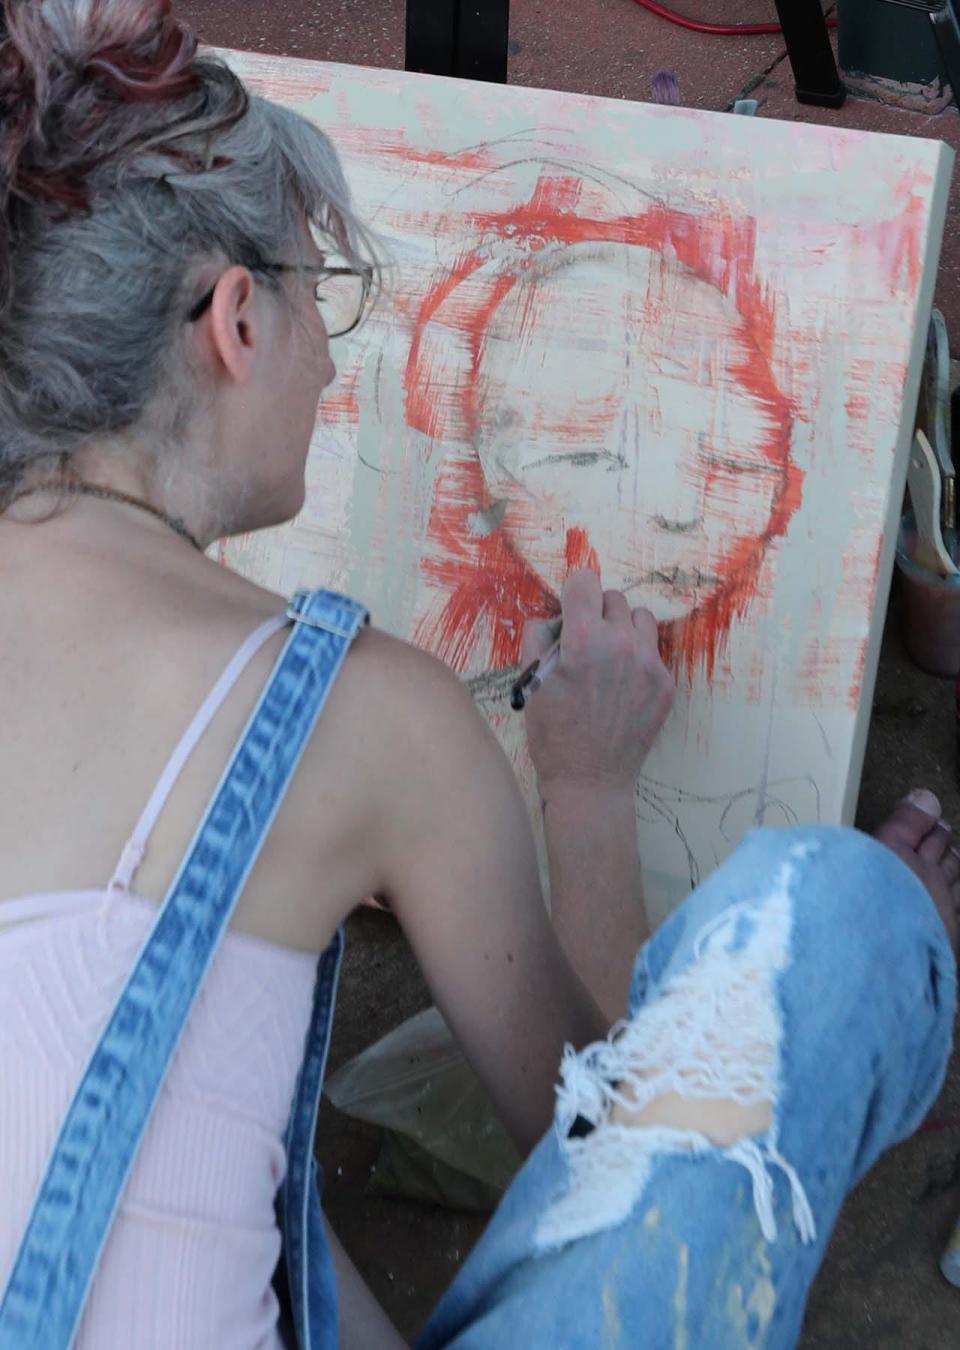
(581, 599)
(615, 607)
(645, 624)
(597, 713)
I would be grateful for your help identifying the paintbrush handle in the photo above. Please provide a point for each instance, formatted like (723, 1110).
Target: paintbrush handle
(532, 678)
(547, 664)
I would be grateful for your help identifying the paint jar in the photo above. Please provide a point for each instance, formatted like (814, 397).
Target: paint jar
(931, 610)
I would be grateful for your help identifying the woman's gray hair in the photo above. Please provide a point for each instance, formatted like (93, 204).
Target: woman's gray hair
(127, 163)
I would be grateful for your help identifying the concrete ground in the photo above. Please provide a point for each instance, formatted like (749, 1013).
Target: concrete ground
(879, 1286)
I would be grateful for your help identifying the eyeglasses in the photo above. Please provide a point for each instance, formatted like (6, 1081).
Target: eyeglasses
(341, 293)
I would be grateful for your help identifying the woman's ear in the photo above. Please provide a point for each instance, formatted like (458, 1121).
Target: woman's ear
(233, 328)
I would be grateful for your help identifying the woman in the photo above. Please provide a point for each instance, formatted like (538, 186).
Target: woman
(161, 358)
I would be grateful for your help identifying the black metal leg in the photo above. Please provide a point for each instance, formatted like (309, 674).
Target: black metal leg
(431, 33)
(431, 36)
(811, 55)
(467, 38)
(482, 40)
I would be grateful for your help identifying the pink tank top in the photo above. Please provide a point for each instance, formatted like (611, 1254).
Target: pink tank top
(189, 1260)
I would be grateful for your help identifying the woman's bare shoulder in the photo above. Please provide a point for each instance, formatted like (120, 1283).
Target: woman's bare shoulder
(400, 724)
(381, 665)
(387, 658)
(385, 677)
(411, 697)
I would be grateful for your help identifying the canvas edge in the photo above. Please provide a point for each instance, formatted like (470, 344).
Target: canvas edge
(898, 480)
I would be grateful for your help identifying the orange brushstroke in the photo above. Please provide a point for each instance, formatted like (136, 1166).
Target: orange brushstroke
(340, 402)
(492, 589)
(909, 254)
(832, 663)
(869, 584)
(425, 411)
(580, 552)
(394, 145)
(897, 242)
(284, 79)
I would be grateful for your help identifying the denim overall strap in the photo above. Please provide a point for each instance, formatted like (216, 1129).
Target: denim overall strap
(105, 1122)
(313, 1293)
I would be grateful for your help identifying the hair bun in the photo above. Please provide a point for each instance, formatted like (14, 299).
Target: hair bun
(65, 67)
(148, 56)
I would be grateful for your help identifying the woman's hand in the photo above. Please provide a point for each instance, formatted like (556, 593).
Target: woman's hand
(598, 712)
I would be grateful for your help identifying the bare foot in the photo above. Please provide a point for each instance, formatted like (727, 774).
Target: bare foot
(917, 833)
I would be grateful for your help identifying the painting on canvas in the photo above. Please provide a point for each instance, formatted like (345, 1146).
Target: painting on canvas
(677, 346)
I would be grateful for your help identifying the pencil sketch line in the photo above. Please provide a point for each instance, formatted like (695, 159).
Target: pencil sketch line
(581, 459)
(678, 526)
(823, 735)
(588, 173)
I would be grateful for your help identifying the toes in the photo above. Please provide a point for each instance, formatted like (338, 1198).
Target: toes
(912, 821)
(935, 845)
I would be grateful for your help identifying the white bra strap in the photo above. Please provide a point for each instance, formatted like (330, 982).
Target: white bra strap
(136, 845)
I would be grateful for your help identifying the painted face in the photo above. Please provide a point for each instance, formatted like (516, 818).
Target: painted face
(611, 406)
(608, 386)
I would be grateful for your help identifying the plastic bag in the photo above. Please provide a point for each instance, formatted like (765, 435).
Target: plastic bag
(405, 1170)
(417, 1083)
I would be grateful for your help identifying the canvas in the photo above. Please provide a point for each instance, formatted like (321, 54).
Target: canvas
(683, 347)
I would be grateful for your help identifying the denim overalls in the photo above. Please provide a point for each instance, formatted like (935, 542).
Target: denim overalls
(111, 1108)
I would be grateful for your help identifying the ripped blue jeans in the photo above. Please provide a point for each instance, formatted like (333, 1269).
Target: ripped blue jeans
(809, 974)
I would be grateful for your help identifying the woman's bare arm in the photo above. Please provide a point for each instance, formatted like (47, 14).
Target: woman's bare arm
(460, 867)
(363, 1325)
(461, 874)
(596, 891)
(590, 728)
